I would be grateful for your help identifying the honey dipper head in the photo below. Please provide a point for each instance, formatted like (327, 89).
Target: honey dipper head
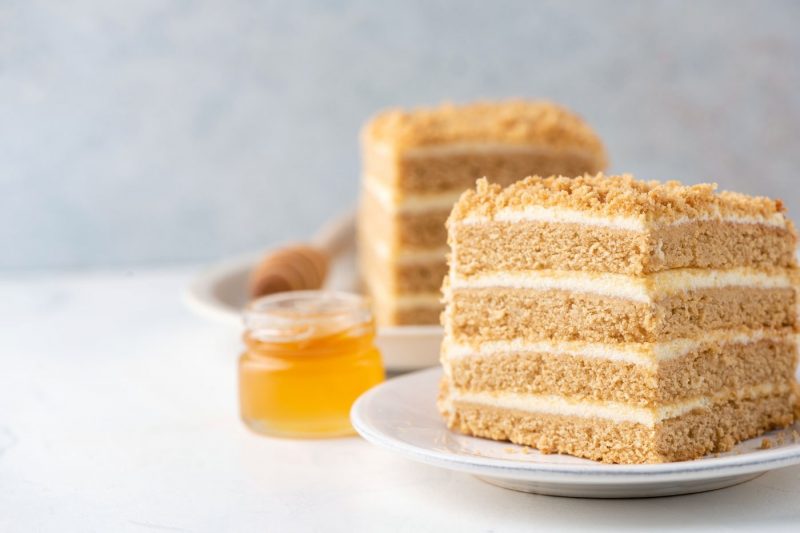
(293, 268)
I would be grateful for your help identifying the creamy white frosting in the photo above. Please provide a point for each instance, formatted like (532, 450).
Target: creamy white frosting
(410, 203)
(615, 411)
(638, 288)
(775, 219)
(560, 215)
(645, 354)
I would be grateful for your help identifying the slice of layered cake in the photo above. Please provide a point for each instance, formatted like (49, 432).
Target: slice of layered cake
(417, 163)
(619, 320)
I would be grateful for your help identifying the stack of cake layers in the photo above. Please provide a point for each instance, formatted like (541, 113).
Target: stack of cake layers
(415, 166)
(619, 320)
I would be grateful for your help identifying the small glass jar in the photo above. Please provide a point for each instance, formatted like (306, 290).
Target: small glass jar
(309, 355)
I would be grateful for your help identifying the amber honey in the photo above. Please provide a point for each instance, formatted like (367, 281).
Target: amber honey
(309, 355)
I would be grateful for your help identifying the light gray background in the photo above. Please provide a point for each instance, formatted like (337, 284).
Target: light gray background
(157, 131)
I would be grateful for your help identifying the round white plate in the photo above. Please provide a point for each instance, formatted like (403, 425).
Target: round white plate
(400, 415)
(220, 294)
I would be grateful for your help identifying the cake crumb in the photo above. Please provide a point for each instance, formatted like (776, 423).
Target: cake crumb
(511, 450)
(795, 436)
(766, 444)
(526, 450)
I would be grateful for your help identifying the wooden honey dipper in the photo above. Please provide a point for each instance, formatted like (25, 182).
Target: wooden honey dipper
(298, 267)
(292, 268)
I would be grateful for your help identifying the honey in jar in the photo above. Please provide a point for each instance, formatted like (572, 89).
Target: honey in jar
(308, 356)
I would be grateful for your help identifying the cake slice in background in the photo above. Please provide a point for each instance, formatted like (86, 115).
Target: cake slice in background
(417, 163)
(619, 320)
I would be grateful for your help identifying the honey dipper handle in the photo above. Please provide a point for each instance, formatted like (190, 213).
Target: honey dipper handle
(303, 266)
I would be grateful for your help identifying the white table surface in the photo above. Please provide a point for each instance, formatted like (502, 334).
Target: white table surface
(118, 413)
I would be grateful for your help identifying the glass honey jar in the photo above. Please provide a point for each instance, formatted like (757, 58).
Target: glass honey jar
(308, 356)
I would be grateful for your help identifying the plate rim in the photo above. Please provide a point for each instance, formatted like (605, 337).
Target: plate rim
(597, 473)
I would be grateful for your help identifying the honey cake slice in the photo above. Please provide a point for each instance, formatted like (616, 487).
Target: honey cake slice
(416, 164)
(587, 316)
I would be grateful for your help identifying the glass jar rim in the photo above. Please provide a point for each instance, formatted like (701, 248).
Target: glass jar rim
(300, 315)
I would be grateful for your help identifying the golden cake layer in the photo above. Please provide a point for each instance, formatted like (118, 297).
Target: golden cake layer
(661, 329)
(496, 310)
(643, 375)
(416, 164)
(615, 224)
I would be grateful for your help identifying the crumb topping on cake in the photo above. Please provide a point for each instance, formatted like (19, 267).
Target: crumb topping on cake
(615, 196)
(513, 122)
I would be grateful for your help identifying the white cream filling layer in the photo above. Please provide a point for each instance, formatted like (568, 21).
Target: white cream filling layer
(637, 288)
(639, 224)
(646, 354)
(538, 213)
(410, 203)
(617, 412)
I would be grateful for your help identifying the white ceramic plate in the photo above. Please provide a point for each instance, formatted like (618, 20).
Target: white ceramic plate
(220, 294)
(400, 415)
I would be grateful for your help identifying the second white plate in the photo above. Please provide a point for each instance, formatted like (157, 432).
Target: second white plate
(400, 415)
